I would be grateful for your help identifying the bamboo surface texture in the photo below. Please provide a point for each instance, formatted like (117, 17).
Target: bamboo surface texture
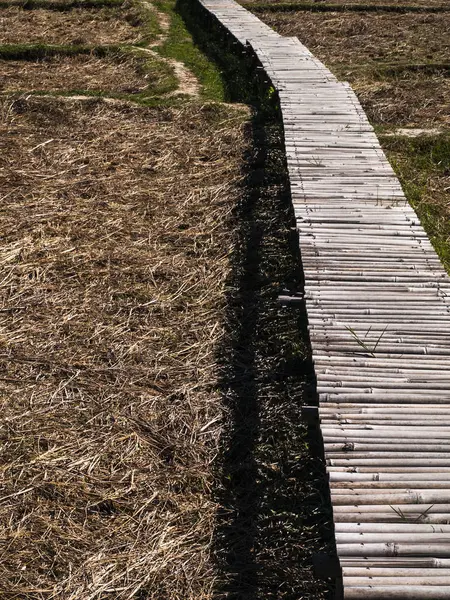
(378, 305)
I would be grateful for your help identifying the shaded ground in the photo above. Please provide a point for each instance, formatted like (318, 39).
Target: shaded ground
(77, 26)
(274, 510)
(116, 233)
(121, 74)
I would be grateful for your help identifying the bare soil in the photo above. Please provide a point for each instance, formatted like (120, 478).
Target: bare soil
(81, 72)
(357, 38)
(77, 26)
(116, 230)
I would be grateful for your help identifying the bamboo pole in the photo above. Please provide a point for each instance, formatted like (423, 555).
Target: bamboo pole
(400, 592)
(388, 536)
(391, 528)
(409, 562)
(413, 508)
(381, 477)
(415, 580)
(394, 549)
(392, 571)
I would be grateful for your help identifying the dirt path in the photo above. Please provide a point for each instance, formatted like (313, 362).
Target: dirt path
(188, 83)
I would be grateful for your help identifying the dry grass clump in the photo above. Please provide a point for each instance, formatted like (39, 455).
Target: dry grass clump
(409, 99)
(120, 74)
(355, 38)
(116, 230)
(77, 26)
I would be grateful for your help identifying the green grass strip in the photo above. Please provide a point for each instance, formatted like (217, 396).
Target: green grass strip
(417, 162)
(180, 46)
(141, 99)
(319, 7)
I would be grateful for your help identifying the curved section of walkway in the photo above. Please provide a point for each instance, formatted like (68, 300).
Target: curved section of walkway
(378, 303)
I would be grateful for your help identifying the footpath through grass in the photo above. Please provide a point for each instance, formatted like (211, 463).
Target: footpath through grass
(162, 64)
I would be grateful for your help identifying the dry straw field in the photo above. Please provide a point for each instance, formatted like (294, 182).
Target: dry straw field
(152, 446)
(116, 226)
(115, 239)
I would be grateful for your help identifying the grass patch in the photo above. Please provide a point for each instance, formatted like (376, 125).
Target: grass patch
(179, 45)
(145, 18)
(42, 51)
(401, 96)
(423, 166)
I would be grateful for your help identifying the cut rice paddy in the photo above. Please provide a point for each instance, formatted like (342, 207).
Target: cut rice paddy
(325, 5)
(367, 38)
(77, 26)
(116, 227)
(403, 99)
(120, 74)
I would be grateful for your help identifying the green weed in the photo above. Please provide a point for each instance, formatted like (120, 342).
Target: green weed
(423, 167)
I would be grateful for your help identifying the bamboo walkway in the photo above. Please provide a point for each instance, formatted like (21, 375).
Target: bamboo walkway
(378, 308)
